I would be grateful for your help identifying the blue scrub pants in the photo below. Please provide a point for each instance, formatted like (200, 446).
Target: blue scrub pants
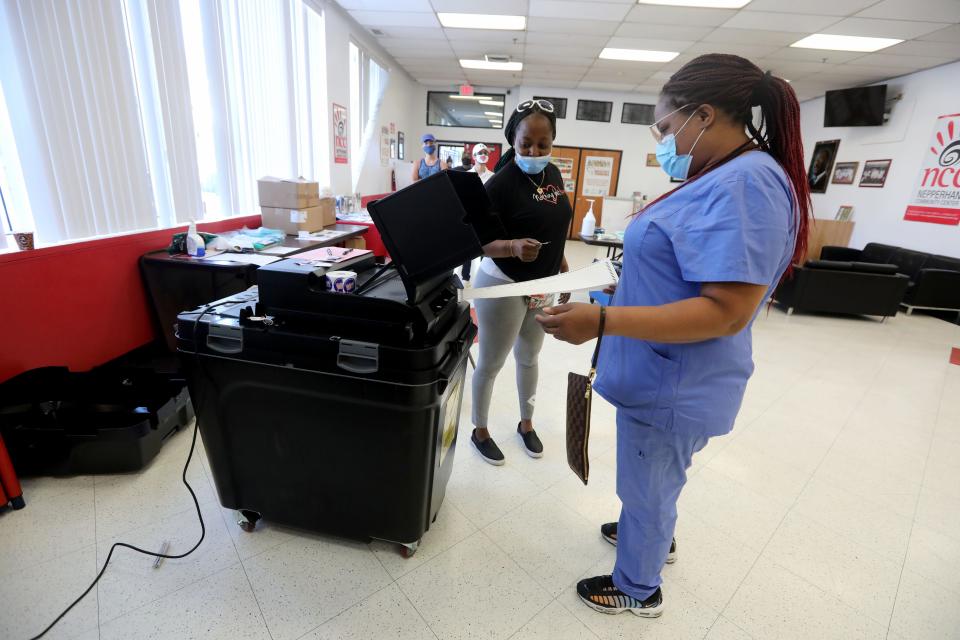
(651, 471)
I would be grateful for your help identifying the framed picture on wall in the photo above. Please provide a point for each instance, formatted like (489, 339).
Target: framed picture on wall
(652, 160)
(594, 110)
(844, 213)
(821, 165)
(559, 105)
(875, 173)
(845, 172)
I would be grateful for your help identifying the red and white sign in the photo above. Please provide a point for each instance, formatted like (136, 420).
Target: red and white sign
(340, 143)
(936, 197)
(466, 90)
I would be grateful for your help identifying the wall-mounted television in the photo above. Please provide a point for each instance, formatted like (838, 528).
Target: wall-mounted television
(860, 107)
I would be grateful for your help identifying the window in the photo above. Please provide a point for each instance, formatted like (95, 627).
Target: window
(637, 113)
(445, 109)
(595, 110)
(368, 82)
(14, 206)
(559, 105)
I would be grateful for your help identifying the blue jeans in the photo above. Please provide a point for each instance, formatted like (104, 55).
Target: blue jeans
(651, 471)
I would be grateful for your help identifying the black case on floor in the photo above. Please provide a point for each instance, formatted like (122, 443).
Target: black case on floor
(109, 420)
(339, 412)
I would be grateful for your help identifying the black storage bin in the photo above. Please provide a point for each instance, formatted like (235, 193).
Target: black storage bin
(338, 413)
(55, 422)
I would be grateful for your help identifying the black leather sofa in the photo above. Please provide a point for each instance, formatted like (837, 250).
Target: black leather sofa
(843, 286)
(934, 280)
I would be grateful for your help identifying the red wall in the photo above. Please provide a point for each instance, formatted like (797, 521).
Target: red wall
(81, 304)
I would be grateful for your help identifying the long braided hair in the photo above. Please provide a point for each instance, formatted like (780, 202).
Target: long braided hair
(510, 131)
(735, 85)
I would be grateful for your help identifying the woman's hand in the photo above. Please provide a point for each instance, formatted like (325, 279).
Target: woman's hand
(574, 323)
(526, 249)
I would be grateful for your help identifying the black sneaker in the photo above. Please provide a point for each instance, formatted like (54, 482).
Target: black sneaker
(531, 442)
(488, 449)
(600, 594)
(609, 533)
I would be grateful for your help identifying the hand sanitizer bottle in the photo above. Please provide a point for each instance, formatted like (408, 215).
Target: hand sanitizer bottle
(195, 244)
(589, 225)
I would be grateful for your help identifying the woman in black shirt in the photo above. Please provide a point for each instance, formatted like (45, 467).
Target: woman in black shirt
(527, 194)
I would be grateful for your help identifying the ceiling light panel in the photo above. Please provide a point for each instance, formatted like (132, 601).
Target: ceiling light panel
(835, 42)
(637, 55)
(491, 66)
(482, 21)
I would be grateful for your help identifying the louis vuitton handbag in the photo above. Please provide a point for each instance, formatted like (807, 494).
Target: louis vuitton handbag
(579, 401)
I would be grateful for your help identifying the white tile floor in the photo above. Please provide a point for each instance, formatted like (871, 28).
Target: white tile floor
(831, 511)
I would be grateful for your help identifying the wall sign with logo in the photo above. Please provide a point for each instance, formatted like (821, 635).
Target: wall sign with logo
(340, 146)
(566, 172)
(597, 177)
(936, 197)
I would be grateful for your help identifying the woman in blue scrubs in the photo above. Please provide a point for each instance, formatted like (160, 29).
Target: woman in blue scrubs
(698, 262)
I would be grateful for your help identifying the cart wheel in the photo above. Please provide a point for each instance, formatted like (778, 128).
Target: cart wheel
(407, 550)
(247, 519)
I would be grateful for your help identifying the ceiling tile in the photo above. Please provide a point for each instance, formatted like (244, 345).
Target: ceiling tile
(395, 19)
(922, 48)
(901, 64)
(820, 7)
(411, 34)
(792, 70)
(558, 54)
(950, 34)
(745, 50)
(649, 44)
(503, 7)
(752, 36)
(606, 86)
(431, 82)
(386, 5)
(478, 49)
(586, 10)
(930, 10)
(550, 83)
(483, 35)
(789, 54)
(685, 16)
(428, 63)
(578, 61)
(648, 92)
(796, 22)
(537, 37)
(549, 71)
(406, 48)
(566, 25)
(664, 31)
(873, 28)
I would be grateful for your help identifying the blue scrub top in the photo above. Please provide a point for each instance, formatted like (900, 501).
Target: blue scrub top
(735, 224)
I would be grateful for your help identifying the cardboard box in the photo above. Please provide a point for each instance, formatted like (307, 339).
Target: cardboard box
(292, 221)
(292, 193)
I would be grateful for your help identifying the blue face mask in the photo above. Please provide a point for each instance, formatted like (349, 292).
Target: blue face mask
(676, 166)
(429, 149)
(532, 164)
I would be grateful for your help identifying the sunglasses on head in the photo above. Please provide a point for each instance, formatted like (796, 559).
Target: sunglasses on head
(544, 105)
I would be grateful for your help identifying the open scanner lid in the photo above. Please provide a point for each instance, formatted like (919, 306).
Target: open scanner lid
(429, 227)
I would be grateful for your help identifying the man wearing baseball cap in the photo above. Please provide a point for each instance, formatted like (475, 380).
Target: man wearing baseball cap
(429, 164)
(481, 155)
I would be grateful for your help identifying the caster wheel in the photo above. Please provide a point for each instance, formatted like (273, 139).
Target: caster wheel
(247, 519)
(407, 550)
(18, 503)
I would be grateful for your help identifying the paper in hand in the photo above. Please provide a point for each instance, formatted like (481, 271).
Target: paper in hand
(598, 275)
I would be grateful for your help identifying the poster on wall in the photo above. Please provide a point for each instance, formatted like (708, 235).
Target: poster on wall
(598, 171)
(821, 164)
(936, 196)
(339, 134)
(845, 172)
(384, 145)
(566, 172)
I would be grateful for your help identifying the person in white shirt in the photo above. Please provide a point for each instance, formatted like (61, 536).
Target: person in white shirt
(481, 155)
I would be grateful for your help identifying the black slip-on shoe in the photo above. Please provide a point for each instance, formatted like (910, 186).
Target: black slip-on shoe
(600, 594)
(531, 442)
(609, 533)
(487, 449)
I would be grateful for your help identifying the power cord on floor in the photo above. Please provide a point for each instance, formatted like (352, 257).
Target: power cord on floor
(196, 503)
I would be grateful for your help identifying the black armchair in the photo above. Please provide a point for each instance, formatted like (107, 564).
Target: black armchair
(934, 281)
(843, 287)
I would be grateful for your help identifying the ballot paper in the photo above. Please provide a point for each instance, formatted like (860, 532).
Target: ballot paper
(598, 275)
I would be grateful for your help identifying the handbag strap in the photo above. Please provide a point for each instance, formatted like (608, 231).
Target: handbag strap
(596, 351)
